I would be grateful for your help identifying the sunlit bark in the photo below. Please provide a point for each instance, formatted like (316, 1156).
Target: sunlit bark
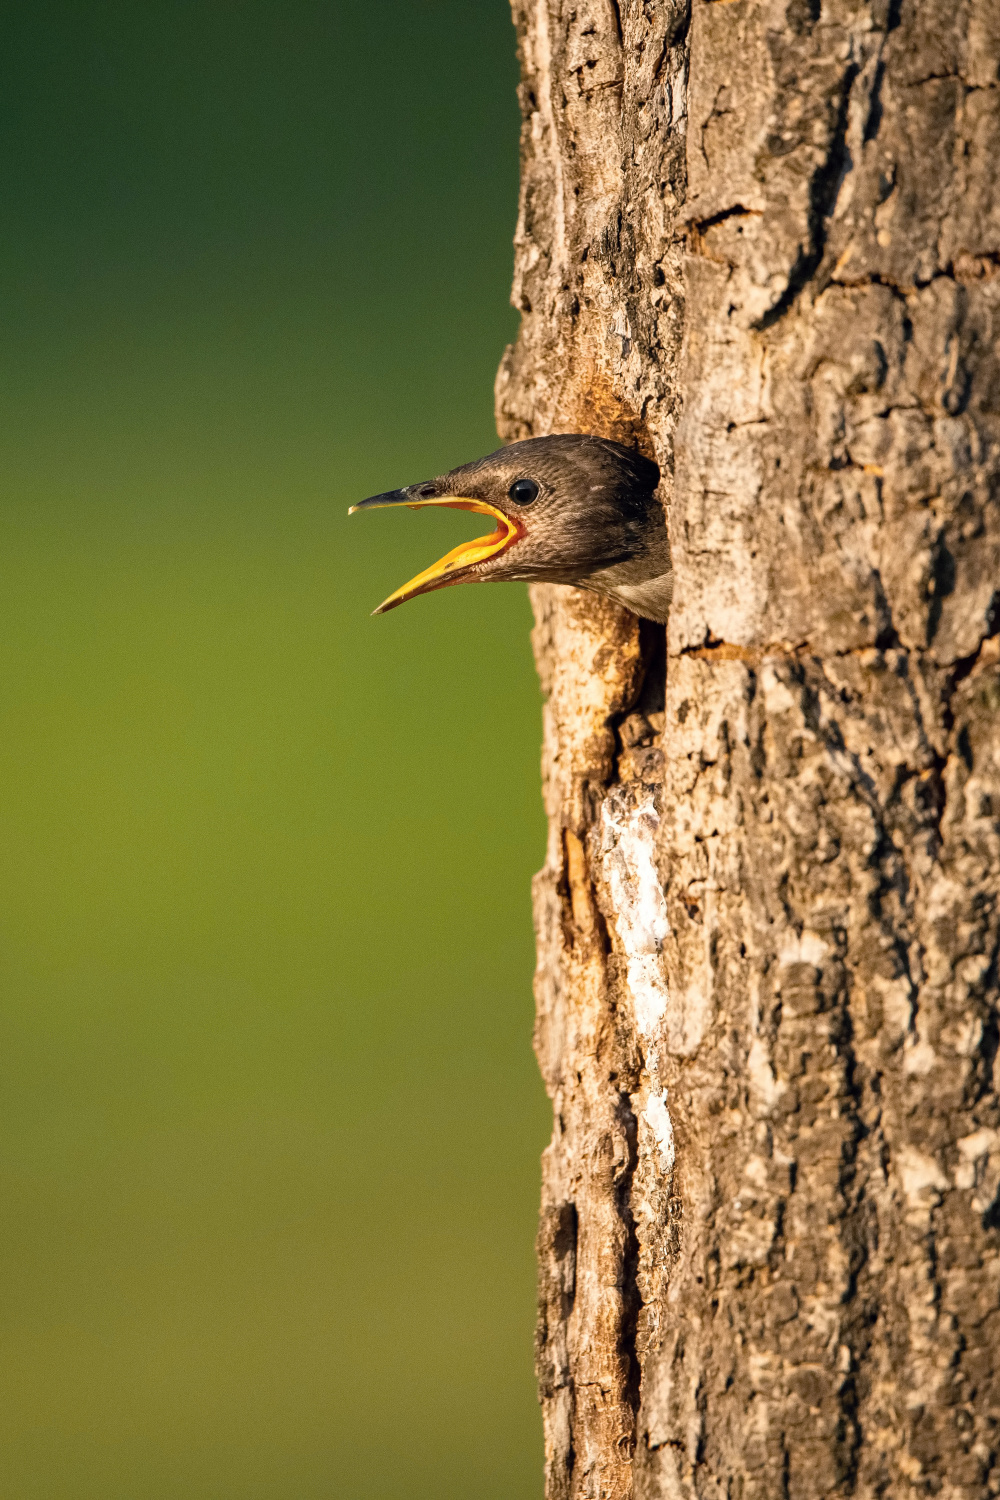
(762, 242)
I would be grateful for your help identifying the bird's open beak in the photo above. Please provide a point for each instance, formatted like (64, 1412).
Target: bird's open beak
(454, 567)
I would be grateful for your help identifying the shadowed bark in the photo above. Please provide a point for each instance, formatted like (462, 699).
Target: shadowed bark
(761, 242)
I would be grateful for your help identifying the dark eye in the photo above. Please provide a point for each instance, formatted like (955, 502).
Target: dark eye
(523, 491)
(425, 491)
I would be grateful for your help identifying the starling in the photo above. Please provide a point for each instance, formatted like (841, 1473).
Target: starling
(570, 509)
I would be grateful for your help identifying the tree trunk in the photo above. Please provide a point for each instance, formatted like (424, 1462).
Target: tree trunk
(761, 241)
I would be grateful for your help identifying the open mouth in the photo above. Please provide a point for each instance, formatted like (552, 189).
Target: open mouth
(457, 564)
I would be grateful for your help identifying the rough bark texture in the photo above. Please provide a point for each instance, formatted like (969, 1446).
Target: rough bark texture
(761, 240)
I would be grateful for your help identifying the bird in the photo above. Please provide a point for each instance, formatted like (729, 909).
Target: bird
(571, 508)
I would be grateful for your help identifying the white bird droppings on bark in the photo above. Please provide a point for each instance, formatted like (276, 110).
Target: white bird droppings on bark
(659, 1121)
(628, 861)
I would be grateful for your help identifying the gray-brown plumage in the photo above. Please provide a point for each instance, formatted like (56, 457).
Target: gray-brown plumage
(570, 509)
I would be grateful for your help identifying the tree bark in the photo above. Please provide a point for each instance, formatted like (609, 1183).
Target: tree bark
(761, 241)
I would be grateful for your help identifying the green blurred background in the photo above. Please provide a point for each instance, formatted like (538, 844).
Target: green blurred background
(270, 1118)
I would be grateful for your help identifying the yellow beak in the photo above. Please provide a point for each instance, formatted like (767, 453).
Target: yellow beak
(454, 566)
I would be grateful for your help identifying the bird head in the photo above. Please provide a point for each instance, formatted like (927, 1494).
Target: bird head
(566, 509)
